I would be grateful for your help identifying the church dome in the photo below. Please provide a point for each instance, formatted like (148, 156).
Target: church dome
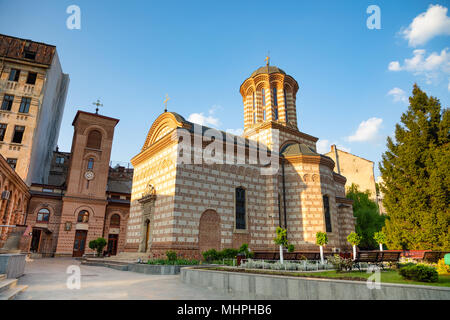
(296, 149)
(268, 69)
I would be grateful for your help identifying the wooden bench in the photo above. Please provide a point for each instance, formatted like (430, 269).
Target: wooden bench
(434, 256)
(367, 257)
(388, 256)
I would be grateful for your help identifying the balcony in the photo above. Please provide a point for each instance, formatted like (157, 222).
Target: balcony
(18, 88)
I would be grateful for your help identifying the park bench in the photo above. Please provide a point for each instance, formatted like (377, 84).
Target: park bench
(391, 257)
(434, 256)
(369, 257)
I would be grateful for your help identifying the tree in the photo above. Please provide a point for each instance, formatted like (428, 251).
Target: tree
(354, 239)
(380, 238)
(416, 173)
(281, 240)
(368, 218)
(321, 240)
(98, 245)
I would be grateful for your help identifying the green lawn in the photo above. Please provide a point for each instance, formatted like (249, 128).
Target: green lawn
(389, 276)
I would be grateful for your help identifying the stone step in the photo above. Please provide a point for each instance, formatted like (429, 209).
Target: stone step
(12, 293)
(7, 284)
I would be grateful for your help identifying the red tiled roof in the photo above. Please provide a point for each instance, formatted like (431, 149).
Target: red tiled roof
(15, 48)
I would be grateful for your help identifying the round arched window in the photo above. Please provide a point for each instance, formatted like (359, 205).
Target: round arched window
(43, 215)
(83, 216)
(115, 220)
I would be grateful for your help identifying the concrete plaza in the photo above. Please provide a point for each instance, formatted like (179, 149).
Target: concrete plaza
(47, 278)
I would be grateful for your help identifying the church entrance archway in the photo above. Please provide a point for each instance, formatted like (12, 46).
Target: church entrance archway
(209, 231)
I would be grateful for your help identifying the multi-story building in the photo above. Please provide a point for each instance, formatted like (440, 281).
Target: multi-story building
(85, 198)
(357, 170)
(33, 91)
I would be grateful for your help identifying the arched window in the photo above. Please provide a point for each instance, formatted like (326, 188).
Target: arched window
(83, 216)
(90, 165)
(274, 96)
(115, 220)
(263, 97)
(326, 209)
(285, 107)
(240, 208)
(253, 100)
(254, 118)
(43, 215)
(94, 139)
(275, 113)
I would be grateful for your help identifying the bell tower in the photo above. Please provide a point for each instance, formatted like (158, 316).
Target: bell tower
(269, 95)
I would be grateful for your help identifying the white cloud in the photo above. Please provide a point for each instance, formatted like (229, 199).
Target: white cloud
(431, 66)
(367, 130)
(394, 66)
(398, 95)
(427, 25)
(237, 132)
(324, 146)
(208, 120)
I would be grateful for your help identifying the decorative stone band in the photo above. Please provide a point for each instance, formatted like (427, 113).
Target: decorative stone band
(281, 127)
(319, 159)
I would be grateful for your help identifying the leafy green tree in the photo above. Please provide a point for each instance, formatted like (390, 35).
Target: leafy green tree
(281, 240)
(98, 245)
(416, 173)
(380, 238)
(321, 240)
(368, 218)
(354, 239)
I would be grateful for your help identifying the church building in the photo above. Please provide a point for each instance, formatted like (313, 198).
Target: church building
(196, 206)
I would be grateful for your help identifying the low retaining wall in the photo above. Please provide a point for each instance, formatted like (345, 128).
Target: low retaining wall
(255, 286)
(155, 269)
(13, 265)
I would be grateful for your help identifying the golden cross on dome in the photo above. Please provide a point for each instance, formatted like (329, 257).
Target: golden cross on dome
(97, 104)
(267, 59)
(165, 102)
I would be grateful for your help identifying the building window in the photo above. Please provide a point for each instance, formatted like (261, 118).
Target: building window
(274, 95)
(12, 162)
(254, 118)
(94, 139)
(18, 134)
(275, 111)
(7, 102)
(115, 220)
(29, 55)
(83, 216)
(31, 78)
(326, 209)
(240, 208)
(43, 215)
(263, 96)
(14, 75)
(59, 160)
(25, 105)
(253, 100)
(285, 107)
(264, 114)
(2, 131)
(90, 165)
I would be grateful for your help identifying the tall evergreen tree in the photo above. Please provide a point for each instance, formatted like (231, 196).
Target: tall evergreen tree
(416, 174)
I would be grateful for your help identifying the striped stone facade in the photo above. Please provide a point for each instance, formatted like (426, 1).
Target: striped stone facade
(191, 207)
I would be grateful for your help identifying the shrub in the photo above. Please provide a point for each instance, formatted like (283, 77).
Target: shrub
(291, 248)
(98, 245)
(442, 268)
(171, 255)
(229, 253)
(354, 239)
(419, 272)
(340, 263)
(211, 255)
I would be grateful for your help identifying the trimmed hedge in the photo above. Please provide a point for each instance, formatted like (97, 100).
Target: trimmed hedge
(419, 273)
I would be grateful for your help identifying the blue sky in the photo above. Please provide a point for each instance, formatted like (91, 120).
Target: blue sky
(131, 53)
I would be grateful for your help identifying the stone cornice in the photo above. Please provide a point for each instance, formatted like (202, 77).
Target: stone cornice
(281, 127)
(339, 178)
(344, 200)
(318, 159)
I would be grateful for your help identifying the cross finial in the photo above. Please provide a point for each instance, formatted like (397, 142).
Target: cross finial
(97, 104)
(267, 59)
(165, 102)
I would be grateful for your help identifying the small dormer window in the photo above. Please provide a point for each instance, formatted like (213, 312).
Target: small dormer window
(30, 55)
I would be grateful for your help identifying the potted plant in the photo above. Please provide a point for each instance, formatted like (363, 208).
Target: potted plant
(281, 240)
(321, 240)
(354, 239)
(380, 238)
(98, 245)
